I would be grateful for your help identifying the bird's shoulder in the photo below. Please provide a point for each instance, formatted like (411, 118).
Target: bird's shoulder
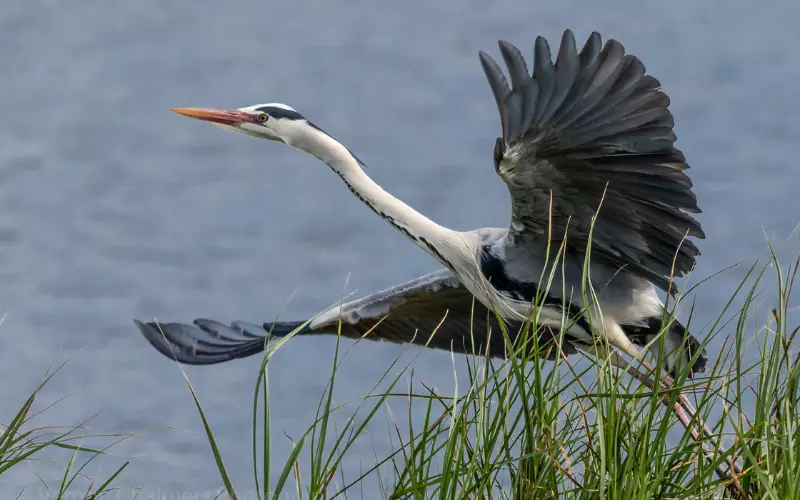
(513, 271)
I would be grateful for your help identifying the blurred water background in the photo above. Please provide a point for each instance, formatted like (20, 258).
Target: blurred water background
(113, 208)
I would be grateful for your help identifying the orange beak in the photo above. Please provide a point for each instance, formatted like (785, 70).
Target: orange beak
(224, 116)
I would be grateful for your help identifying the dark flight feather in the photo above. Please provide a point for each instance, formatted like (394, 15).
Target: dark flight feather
(601, 130)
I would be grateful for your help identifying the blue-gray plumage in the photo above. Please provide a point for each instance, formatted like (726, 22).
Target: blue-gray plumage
(417, 308)
(587, 152)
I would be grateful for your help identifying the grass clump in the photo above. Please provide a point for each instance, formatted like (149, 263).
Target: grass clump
(524, 427)
(22, 442)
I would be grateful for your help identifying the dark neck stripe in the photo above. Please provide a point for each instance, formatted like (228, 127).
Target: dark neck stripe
(356, 158)
(388, 218)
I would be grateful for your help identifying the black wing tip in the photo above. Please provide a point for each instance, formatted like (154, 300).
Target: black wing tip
(568, 36)
(698, 233)
(492, 70)
(151, 329)
(614, 44)
(506, 45)
(207, 341)
(485, 58)
(541, 44)
(515, 61)
(170, 339)
(153, 332)
(543, 68)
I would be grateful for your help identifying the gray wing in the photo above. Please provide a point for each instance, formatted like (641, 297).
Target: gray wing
(593, 119)
(407, 313)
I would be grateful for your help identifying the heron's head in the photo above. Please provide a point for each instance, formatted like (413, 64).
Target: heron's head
(276, 122)
(273, 121)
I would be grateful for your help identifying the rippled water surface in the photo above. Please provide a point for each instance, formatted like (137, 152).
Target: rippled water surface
(113, 208)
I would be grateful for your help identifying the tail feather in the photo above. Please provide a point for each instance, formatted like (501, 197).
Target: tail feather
(680, 346)
(207, 342)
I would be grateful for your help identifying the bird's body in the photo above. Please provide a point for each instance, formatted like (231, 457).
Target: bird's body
(587, 154)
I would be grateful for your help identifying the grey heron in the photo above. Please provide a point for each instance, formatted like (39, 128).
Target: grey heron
(589, 135)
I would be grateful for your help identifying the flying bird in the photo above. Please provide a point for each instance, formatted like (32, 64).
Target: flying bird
(587, 152)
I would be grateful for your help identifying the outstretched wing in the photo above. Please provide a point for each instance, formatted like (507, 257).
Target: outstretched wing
(593, 127)
(434, 310)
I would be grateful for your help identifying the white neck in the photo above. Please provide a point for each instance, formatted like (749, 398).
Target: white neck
(444, 244)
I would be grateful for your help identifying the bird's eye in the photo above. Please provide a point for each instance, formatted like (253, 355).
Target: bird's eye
(262, 117)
